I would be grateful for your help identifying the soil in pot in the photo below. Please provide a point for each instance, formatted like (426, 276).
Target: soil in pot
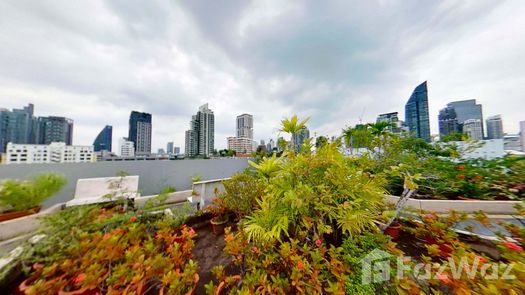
(393, 231)
(18, 214)
(218, 224)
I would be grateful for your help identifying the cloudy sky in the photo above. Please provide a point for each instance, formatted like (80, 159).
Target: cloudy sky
(95, 61)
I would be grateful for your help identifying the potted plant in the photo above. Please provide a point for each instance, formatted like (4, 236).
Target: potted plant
(20, 198)
(220, 215)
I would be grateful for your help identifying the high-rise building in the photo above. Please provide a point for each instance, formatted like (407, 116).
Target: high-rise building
(140, 132)
(522, 135)
(466, 110)
(103, 140)
(176, 150)
(271, 144)
(54, 129)
(448, 121)
(494, 127)
(19, 126)
(473, 128)
(126, 147)
(169, 148)
(243, 143)
(300, 137)
(388, 117)
(245, 126)
(416, 112)
(200, 139)
(16, 126)
(397, 126)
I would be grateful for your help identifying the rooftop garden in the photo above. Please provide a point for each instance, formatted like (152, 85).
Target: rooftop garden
(309, 221)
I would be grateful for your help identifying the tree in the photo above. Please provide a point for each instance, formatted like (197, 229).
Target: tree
(455, 136)
(357, 137)
(320, 141)
(293, 126)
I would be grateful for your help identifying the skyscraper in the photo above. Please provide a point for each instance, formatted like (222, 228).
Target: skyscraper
(140, 132)
(200, 138)
(169, 148)
(473, 128)
(17, 126)
(522, 134)
(416, 112)
(243, 143)
(465, 110)
(300, 137)
(448, 121)
(103, 140)
(54, 129)
(494, 127)
(245, 126)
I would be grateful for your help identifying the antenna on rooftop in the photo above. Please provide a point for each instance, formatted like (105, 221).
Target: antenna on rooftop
(361, 116)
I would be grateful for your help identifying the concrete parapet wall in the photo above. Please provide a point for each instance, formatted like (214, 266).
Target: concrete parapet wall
(153, 175)
(470, 206)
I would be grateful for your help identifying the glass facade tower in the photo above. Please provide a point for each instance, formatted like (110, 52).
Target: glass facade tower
(103, 140)
(140, 132)
(416, 112)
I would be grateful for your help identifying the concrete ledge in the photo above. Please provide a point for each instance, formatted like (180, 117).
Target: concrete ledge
(176, 197)
(23, 225)
(211, 181)
(16, 227)
(443, 206)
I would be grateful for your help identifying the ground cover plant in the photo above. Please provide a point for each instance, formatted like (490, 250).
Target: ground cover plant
(107, 250)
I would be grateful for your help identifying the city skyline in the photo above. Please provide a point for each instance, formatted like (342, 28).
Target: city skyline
(349, 68)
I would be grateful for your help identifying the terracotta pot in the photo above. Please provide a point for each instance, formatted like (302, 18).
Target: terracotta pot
(18, 214)
(393, 230)
(218, 225)
(27, 283)
(89, 290)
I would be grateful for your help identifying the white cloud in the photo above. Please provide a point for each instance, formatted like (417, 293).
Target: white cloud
(96, 61)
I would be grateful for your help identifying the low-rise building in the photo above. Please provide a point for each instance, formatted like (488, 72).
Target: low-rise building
(55, 152)
(512, 142)
(484, 149)
(126, 148)
(241, 145)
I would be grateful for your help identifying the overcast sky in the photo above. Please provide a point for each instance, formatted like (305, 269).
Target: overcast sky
(96, 61)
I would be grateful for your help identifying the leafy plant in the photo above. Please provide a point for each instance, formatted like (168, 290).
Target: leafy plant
(18, 195)
(241, 194)
(114, 252)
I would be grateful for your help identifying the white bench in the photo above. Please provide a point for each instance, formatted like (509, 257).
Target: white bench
(104, 189)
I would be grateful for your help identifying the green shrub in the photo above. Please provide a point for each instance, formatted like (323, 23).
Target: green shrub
(242, 192)
(18, 195)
